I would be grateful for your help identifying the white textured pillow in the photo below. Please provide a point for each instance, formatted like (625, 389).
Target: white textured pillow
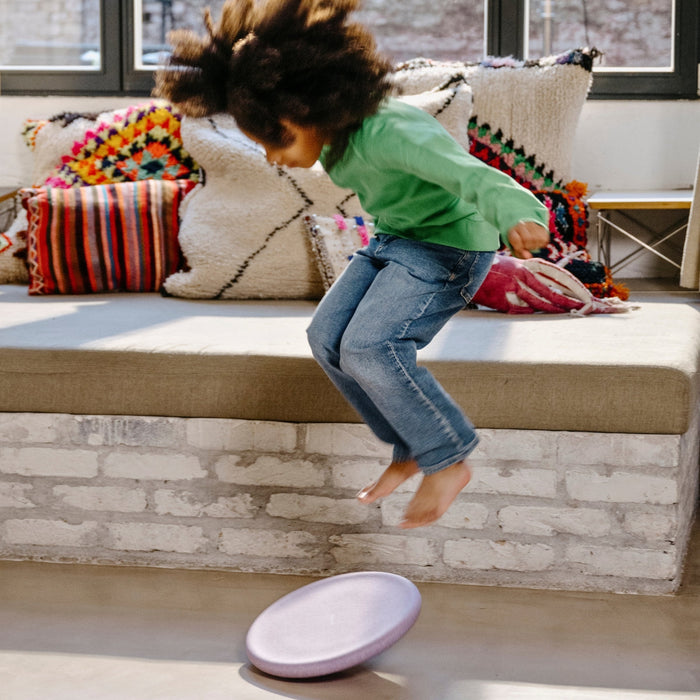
(242, 232)
(451, 106)
(532, 106)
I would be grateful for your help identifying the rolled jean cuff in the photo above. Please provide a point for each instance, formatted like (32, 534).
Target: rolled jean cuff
(449, 461)
(401, 454)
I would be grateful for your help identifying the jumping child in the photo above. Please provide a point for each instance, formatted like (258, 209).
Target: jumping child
(307, 83)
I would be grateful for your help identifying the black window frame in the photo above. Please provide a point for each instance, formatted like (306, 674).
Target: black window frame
(504, 37)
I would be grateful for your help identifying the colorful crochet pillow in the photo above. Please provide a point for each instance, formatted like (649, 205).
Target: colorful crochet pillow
(568, 245)
(568, 220)
(242, 232)
(134, 143)
(334, 240)
(103, 238)
(138, 143)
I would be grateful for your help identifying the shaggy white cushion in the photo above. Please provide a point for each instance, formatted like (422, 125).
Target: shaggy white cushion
(242, 231)
(532, 106)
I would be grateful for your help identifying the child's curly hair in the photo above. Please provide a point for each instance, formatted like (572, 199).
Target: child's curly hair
(299, 60)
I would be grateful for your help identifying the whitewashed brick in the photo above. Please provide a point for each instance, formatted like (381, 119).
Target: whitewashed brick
(28, 427)
(344, 439)
(133, 431)
(269, 543)
(317, 509)
(614, 561)
(514, 446)
(651, 526)
(621, 487)
(150, 537)
(534, 520)
(382, 549)
(157, 466)
(219, 434)
(13, 495)
(231, 435)
(111, 498)
(514, 482)
(356, 475)
(619, 449)
(269, 470)
(49, 533)
(461, 514)
(636, 479)
(489, 554)
(649, 450)
(48, 461)
(269, 436)
(586, 448)
(186, 504)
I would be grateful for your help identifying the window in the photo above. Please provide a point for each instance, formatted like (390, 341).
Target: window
(66, 46)
(651, 47)
(646, 50)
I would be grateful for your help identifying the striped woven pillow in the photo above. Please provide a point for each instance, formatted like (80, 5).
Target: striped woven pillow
(103, 238)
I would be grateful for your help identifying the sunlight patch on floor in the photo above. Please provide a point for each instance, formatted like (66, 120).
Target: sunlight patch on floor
(495, 690)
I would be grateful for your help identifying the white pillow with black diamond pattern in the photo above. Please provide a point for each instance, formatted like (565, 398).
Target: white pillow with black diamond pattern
(242, 232)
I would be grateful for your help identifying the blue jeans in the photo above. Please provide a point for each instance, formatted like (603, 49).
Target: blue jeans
(390, 301)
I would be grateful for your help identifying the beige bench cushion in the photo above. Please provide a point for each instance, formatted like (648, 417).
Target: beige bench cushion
(142, 354)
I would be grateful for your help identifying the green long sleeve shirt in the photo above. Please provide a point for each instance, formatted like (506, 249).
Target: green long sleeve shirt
(417, 182)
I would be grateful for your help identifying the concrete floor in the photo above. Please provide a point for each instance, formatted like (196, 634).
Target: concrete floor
(71, 632)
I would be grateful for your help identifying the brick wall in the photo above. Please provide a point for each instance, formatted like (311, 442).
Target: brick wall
(544, 509)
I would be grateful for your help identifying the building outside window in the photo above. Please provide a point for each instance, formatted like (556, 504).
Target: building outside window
(634, 34)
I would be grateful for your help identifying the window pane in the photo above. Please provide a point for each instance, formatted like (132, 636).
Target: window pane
(50, 34)
(441, 29)
(158, 17)
(634, 34)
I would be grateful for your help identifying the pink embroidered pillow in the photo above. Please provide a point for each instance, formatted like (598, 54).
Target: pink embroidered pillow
(334, 240)
(103, 238)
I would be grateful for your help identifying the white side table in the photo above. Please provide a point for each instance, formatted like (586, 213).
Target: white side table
(623, 202)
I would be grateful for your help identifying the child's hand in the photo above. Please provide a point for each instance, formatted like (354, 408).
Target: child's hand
(526, 236)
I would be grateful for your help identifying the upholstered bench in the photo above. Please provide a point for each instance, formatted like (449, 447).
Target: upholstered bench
(147, 430)
(156, 431)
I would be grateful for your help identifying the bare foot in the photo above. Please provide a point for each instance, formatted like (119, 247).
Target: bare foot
(435, 495)
(394, 475)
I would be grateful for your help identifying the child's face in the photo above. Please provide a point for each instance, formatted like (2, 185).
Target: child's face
(302, 152)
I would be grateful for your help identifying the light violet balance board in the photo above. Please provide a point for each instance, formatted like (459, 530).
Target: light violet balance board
(333, 624)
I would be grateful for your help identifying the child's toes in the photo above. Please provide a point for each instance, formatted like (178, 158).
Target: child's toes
(394, 475)
(366, 493)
